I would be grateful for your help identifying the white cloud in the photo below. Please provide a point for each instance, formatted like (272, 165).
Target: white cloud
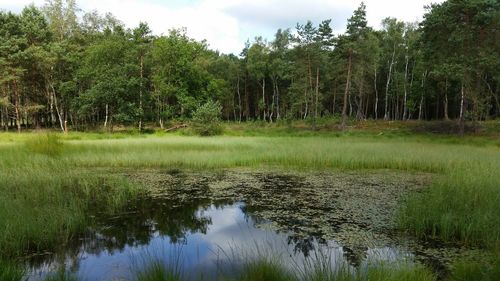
(226, 24)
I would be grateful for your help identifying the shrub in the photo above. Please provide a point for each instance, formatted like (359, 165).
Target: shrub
(206, 119)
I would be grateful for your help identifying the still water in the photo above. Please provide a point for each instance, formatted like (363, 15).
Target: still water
(200, 238)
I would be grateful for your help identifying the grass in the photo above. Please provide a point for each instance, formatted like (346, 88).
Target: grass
(45, 201)
(484, 269)
(49, 184)
(272, 269)
(10, 271)
(61, 275)
(376, 272)
(156, 271)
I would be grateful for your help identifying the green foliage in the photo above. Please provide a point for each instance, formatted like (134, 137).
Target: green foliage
(206, 119)
(52, 63)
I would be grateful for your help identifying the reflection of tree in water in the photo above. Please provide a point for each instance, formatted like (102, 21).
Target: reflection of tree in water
(301, 244)
(287, 201)
(165, 217)
(180, 211)
(144, 218)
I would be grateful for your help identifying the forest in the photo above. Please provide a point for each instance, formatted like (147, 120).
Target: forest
(62, 68)
(370, 155)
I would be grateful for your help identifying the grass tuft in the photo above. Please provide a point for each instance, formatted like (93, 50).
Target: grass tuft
(47, 144)
(10, 272)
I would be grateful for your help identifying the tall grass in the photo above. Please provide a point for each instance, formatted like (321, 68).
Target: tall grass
(260, 266)
(10, 271)
(47, 191)
(156, 271)
(463, 207)
(45, 201)
(48, 144)
(482, 269)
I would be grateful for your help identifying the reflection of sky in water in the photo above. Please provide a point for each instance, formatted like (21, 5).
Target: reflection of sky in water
(231, 235)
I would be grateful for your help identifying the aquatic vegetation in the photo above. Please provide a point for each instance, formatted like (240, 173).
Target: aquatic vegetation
(47, 193)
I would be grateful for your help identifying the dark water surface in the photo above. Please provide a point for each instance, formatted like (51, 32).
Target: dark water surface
(204, 241)
(207, 225)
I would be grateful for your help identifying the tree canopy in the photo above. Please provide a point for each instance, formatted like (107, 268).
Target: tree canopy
(60, 66)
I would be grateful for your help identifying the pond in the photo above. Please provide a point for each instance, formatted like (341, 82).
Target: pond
(208, 224)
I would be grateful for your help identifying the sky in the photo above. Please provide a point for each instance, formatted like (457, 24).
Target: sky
(227, 24)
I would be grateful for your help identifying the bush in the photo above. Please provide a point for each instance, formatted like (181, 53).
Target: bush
(206, 119)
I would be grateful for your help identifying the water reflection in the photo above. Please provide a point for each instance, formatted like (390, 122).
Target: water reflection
(203, 235)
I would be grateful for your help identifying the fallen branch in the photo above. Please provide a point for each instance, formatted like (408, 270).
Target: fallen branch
(176, 127)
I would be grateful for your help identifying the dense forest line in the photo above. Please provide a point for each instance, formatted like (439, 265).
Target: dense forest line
(61, 67)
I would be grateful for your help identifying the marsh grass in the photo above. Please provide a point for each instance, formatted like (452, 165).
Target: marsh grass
(482, 269)
(61, 275)
(48, 189)
(375, 272)
(460, 207)
(266, 269)
(49, 144)
(45, 202)
(157, 271)
(10, 271)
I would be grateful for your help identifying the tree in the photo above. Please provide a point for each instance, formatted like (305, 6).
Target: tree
(278, 66)
(462, 36)
(353, 47)
(12, 46)
(258, 67)
(393, 45)
(112, 78)
(142, 41)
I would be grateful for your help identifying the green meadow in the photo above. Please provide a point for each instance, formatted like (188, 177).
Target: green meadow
(49, 182)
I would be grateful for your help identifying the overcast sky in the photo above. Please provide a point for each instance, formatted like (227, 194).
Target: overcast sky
(227, 24)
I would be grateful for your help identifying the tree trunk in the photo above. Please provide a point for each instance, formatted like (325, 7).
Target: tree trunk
(445, 102)
(376, 94)
(273, 99)
(405, 108)
(264, 97)
(422, 96)
(278, 115)
(239, 97)
(56, 105)
(359, 113)
(316, 99)
(495, 97)
(140, 93)
(306, 109)
(17, 105)
(462, 111)
(346, 92)
(386, 114)
(107, 116)
(334, 97)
